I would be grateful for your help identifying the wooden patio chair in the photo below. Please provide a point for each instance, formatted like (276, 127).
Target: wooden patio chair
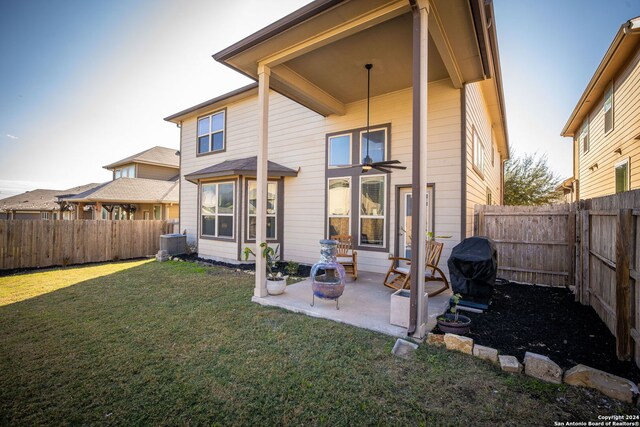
(346, 255)
(399, 277)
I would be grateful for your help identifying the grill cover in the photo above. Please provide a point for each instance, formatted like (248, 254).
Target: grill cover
(473, 267)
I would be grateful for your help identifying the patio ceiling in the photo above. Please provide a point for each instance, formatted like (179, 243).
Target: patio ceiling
(317, 55)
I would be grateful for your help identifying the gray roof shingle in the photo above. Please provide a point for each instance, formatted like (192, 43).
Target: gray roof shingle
(246, 166)
(162, 156)
(131, 190)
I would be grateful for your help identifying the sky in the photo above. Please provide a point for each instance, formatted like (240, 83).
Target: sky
(84, 83)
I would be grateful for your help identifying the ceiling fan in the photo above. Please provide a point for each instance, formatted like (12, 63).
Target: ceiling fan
(368, 163)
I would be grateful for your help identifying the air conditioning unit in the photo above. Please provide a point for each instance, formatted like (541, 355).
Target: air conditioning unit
(174, 244)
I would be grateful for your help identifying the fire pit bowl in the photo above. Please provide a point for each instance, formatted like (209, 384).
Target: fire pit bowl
(329, 285)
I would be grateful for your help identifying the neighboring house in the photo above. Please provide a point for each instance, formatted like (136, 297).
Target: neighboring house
(38, 204)
(605, 124)
(144, 186)
(308, 112)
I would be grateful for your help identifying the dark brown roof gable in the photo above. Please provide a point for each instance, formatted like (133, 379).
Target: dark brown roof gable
(291, 20)
(161, 156)
(246, 166)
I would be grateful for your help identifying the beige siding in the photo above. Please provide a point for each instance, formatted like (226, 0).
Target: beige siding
(297, 140)
(599, 181)
(478, 120)
(155, 172)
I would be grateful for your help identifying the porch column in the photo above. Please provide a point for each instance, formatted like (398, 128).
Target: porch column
(418, 319)
(261, 178)
(80, 211)
(98, 211)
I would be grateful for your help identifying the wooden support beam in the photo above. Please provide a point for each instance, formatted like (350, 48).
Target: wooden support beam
(586, 257)
(623, 284)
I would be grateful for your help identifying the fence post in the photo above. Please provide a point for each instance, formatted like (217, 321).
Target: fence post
(586, 257)
(623, 284)
(571, 243)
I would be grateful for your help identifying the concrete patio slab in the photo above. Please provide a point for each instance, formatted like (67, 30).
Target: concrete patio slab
(365, 303)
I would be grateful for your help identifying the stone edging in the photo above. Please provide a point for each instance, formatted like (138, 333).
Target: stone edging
(541, 367)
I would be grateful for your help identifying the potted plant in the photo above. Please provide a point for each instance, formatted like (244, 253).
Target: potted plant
(276, 283)
(453, 322)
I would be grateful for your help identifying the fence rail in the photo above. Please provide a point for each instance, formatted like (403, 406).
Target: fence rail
(43, 243)
(591, 246)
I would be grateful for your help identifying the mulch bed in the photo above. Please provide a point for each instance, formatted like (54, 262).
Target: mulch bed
(548, 321)
(303, 270)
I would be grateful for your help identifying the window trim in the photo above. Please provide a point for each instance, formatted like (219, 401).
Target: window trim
(609, 87)
(625, 162)
(279, 212)
(224, 133)
(479, 169)
(373, 129)
(349, 178)
(350, 135)
(233, 215)
(385, 215)
(44, 215)
(353, 173)
(585, 127)
(248, 216)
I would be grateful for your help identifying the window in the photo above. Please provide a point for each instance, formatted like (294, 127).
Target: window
(157, 212)
(478, 152)
(372, 210)
(583, 137)
(339, 206)
(339, 150)
(622, 176)
(272, 209)
(217, 209)
(126, 172)
(608, 109)
(375, 143)
(489, 197)
(120, 214)
(104, 213)
(44, 215)
(211, 133)
(145, 215)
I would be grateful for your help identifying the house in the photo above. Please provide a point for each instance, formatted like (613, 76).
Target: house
(265, 162)
(144, 186)
(38, 204)
(605, 124)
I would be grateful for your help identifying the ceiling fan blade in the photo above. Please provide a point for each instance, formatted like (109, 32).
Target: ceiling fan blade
(381, 169)
(388, 162)
(375, 165)
(355, 165)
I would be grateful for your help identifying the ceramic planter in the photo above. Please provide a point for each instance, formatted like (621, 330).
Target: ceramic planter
(450, 326)
(276, 286)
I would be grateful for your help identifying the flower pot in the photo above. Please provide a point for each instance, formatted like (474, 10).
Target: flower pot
(276, 286)
(450, 326)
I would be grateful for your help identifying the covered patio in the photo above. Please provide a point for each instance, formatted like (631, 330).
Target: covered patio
(364, 303)
(316, 56)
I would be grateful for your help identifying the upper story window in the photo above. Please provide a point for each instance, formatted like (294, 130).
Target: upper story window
(583, 137)
(340, 150)
(375, 144)
(125, 172)
(622, 176)
(478, 152)
(217, 209)
(211, 130)
(608, 109)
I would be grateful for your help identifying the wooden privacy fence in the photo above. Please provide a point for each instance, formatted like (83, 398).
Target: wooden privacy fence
(44, 243)
(535, 243)
(591, 246)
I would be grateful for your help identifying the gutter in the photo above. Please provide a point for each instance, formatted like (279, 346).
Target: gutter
(629, 28)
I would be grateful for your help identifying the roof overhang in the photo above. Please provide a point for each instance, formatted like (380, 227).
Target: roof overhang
(142, 162)
(239, 167)
(624, 44)
(212, 104)
(316, 55)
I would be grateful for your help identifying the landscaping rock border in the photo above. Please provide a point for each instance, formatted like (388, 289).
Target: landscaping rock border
(543, 368)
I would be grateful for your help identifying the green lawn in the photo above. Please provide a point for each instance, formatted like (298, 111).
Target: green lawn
(174, 343)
